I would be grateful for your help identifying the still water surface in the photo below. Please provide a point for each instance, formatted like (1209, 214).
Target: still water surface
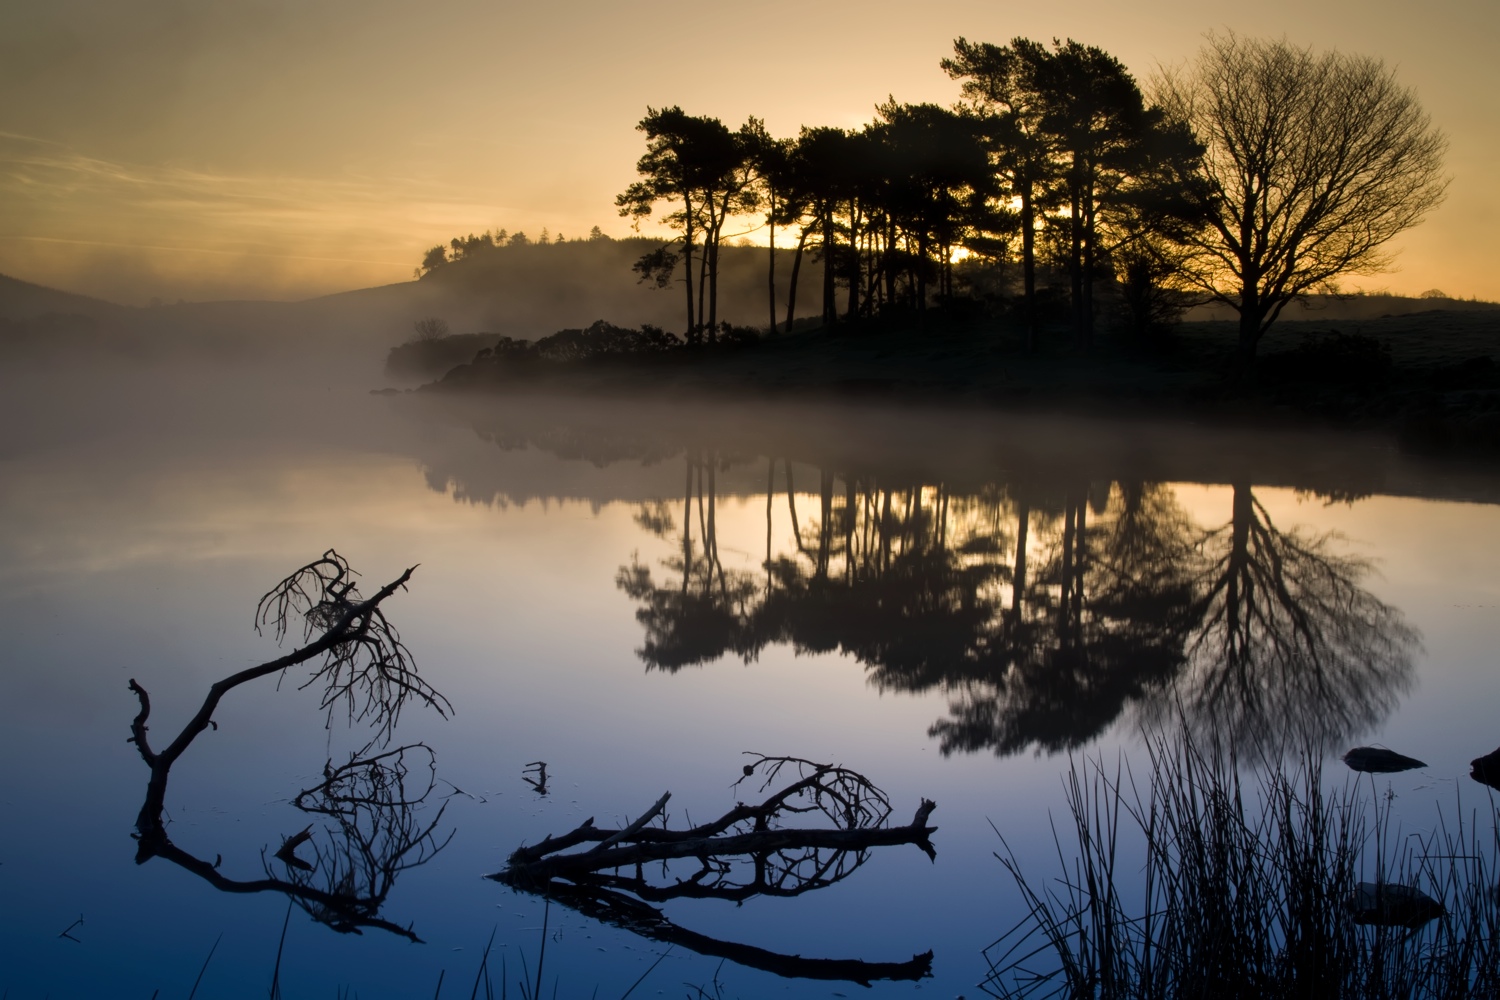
(948, 604)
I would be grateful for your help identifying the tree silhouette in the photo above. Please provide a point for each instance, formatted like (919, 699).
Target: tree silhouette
(770, 162)
(1005, 85)
(932, 193)
(700, 163)
(1314, 163)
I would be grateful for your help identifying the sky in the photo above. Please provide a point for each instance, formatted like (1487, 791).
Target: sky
(181, 149)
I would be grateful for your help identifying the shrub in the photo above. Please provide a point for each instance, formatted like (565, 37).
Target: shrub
(1344, 359)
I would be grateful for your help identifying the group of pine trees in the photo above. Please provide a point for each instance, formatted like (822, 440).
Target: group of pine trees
(1053, 157)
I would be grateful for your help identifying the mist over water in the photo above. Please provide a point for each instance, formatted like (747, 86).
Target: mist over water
(593, 590)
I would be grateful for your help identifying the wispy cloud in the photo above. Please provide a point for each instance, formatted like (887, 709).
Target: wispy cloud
(60, 194)
(84, 221)
(199, 250)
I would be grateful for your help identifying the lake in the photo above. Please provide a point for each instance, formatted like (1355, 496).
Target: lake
(952, 605)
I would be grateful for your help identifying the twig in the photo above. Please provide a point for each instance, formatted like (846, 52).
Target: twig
(66, 930)
(632, 829)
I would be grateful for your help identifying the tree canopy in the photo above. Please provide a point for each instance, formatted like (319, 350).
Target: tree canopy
(1314, 162)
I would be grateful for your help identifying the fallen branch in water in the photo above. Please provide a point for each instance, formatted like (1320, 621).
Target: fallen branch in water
(632, 915)
(742, 854)
(362, 665)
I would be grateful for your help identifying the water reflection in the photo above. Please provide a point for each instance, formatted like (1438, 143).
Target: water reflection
(1044, 610)
(377, 829)
(750, 851)
(1286, 639)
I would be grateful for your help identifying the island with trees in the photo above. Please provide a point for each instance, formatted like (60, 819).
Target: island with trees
(1060, 234)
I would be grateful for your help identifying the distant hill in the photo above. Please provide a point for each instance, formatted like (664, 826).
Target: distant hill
(21, 300)
(1351, 308)
(532, 291)
(527, 292)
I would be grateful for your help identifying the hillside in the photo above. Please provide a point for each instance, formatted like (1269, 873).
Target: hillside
(525, 292)
(1351, 308)
(21, 300)
(531, 291)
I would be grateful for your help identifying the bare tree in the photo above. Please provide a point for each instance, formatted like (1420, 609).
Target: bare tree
(430, 329)
(1315, 162)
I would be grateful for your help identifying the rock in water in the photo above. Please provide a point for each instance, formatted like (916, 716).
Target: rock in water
(1385, 905)
(1380, 760)
(1486, 769)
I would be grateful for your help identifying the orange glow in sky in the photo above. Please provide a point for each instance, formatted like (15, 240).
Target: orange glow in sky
(272, 148)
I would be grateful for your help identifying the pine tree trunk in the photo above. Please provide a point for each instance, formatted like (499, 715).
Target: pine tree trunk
(829, 309)
(791, 292)
(853, 259)
(771, 268)
(687, 271)
(1028, 263)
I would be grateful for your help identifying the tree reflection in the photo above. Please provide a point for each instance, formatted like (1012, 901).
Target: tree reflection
(708, 613)
(1287, 645)
(875, 578)
(1102, 629)
(1046, 612)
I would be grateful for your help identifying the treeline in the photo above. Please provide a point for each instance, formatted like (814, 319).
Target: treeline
(1054, 157)
(1260, 174)
(466, 247)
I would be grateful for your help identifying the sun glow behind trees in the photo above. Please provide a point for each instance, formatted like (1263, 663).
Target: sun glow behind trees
(1265, 173)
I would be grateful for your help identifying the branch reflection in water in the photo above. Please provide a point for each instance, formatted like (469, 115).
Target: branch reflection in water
(745, 853)
(1045, 610)
(377, 832)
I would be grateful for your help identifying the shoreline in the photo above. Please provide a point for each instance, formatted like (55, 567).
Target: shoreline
(1429, 382)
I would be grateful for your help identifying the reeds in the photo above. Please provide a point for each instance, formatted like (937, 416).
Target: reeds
(1244, 889)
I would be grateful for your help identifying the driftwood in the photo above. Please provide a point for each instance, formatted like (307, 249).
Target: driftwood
(747, 852)
(365, 670)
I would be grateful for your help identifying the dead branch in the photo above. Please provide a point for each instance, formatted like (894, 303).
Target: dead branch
(361, 663)
(367, 669)
(854, 806)
(633, 828)
(742, 854)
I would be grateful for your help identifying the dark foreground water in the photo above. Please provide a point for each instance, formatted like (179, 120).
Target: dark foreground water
(948, 604)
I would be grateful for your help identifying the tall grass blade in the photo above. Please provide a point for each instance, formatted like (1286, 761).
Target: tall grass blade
(280, 950)
(642, 979)
(484, 962)
(194, 991)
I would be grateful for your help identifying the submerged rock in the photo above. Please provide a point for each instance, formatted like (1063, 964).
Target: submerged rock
(1382, 904)
(1486, 769)
(1379, 760)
